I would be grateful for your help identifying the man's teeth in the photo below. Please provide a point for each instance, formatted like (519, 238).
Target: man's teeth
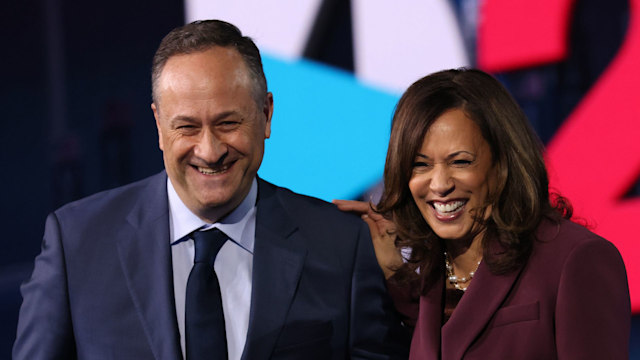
(210, 171)
(448, 207)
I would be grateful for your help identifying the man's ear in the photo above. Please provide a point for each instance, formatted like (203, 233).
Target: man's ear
(154, 108)
(268, 112)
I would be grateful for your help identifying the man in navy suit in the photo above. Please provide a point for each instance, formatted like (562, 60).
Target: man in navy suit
(298, 279)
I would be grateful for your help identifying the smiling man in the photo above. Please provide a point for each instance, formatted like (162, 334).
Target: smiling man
(211, 127)
(206, 260)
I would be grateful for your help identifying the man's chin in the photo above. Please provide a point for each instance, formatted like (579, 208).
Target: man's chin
(216, 199)
(215, 206)
(216, 202)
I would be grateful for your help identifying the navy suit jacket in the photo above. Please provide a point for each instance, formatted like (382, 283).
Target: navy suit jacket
(102, 286)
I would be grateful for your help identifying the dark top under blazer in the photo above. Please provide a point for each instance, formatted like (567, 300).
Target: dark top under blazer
(569, 301)
(102, 287)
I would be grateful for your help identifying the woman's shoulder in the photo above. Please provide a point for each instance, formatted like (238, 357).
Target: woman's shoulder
(560, 238)
(568, 256)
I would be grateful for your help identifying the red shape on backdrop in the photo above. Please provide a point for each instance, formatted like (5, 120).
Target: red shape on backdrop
(594, 158)
(515, 34)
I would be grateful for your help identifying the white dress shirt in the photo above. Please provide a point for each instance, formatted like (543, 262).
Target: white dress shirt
(233, 265)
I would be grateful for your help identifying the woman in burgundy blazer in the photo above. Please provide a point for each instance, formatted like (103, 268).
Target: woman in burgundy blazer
(492, 268)
(570, 301)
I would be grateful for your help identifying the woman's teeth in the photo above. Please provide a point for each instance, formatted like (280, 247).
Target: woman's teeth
(448, 207)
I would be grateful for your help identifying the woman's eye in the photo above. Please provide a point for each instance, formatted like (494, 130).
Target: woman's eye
(420, 164)
(461, 162)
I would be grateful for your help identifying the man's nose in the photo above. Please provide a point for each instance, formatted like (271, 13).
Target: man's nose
(210, 147)
(441, 182)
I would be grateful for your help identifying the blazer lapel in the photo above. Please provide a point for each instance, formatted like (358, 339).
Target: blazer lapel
(426, 336)
(279, 255)
(483, 298)
(145, 256)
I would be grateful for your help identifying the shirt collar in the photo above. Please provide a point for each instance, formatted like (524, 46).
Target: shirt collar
(239, 225)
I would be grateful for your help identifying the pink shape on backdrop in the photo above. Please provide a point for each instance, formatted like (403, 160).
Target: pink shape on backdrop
(594, 158)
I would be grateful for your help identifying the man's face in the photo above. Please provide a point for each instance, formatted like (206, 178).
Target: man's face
(211, 129)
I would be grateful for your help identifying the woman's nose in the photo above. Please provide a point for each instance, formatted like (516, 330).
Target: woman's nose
(441, 182)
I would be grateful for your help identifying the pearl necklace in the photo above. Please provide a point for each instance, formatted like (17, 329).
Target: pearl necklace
(453, 279)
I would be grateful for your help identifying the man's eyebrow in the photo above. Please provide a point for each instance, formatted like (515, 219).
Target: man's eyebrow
(182, 118)
(187, 118)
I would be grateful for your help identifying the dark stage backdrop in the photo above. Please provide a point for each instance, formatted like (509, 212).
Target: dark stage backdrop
(75, 103)
(75, 114)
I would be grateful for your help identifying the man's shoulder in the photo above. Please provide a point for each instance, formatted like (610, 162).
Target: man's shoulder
(327, 232)
(306, 207)
(122, 197)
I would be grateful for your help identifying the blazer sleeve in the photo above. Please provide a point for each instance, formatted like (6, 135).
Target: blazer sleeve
(376, 331)
(593, 311)
(44, 324)
(406, 300)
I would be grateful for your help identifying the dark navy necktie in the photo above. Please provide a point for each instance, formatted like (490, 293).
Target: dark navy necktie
(205, 334)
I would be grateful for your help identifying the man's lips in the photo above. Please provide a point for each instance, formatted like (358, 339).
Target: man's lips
(216, 170)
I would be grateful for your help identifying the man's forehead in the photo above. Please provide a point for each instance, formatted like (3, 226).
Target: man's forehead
(204, 71)
(214, 60)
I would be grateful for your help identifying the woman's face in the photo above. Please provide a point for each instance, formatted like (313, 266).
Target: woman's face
(451, 173)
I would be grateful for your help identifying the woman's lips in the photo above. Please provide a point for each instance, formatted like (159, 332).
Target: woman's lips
(448, 210)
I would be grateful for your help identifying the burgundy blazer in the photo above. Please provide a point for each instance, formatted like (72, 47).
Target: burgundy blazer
(569, 301)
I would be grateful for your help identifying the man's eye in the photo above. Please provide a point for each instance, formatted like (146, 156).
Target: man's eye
(228, 125)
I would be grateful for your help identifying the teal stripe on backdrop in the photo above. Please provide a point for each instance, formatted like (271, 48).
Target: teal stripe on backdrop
(329, 132)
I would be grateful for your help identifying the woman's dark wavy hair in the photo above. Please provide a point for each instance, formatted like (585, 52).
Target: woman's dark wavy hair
(519, 195)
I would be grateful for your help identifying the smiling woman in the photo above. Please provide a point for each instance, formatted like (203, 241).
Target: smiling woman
(494, 266)
(458, 138)
(450, 179)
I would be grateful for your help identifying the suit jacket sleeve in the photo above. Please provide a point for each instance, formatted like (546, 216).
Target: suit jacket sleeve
(44, 325)
(593, 308)
(376, 331)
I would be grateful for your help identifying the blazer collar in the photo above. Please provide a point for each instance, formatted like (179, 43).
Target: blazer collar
(426, 335)
(279, 255)
(474, 311)
(145, 257)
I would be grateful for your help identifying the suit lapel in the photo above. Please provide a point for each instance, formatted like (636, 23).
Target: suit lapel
(279, 255)
(474, 311)
(145, 256)
(427, 333)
